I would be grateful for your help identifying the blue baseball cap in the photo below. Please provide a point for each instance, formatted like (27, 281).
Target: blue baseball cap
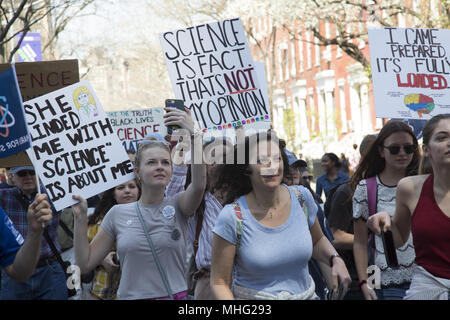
(14, 170)
(293, 161)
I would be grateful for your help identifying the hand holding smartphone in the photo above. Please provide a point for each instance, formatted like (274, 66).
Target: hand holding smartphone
(389, 249)
(174, 103)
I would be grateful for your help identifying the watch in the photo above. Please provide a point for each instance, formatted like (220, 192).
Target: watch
(334, 255)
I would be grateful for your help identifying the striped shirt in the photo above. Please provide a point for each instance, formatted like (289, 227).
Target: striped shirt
(176, 184)
(13, 208)
(212, 210)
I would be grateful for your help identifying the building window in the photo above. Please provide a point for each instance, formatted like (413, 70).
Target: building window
(300, 50)
(308, 50)
(293, 58)
(343, 109)
(317, 52)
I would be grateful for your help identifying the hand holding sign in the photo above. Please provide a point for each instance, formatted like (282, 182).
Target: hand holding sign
(39, 213)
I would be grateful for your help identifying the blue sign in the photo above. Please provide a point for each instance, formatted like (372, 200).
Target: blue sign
(14, 134)
(30, 49)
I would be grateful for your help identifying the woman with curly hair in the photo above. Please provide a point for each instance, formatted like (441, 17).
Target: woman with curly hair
(392, 156)
(264, 233)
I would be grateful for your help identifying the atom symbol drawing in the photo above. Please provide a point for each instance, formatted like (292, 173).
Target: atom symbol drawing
(6, 119)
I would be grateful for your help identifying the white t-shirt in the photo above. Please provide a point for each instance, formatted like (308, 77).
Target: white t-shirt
(405, 254)
(140, 275)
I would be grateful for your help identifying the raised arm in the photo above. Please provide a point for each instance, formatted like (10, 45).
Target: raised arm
(88, 256)
(39, 214)
(190, 199)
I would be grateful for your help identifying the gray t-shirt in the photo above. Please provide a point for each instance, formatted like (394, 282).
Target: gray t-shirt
(140, 276)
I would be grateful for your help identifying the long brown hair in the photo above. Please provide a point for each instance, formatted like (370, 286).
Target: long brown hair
(372, 163)
(425, 163)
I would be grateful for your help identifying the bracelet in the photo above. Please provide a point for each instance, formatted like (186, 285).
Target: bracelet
(360, 283)
(334, 255)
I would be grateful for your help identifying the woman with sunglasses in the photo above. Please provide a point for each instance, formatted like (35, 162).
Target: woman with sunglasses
(391, 157)
(423, 208)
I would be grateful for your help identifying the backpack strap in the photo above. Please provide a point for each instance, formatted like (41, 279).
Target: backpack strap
(301, 201)
(372, 194)
(238, 212)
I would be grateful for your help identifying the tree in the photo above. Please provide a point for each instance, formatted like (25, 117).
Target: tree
(21, 16)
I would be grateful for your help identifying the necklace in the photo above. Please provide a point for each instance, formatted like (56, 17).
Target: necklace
(268, 209)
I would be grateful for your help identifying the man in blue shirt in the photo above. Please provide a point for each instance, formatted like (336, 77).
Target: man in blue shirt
(18, 257)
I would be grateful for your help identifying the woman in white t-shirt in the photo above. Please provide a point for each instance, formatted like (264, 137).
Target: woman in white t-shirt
(164, 218)
(392, 156)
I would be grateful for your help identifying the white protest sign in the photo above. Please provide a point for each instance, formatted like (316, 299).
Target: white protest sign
(211, 69)
(410, 72)
(132, 126)
(74, 146)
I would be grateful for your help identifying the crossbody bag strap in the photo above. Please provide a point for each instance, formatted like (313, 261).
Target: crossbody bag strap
(155, 256)
(301, 201)
(52, 246)
(372, 195)
(65, 228)
(198, 230)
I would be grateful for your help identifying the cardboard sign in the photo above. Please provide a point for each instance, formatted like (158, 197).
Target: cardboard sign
(132, 126)
(36, 79)
(410, 72)
(14, 135)
(74, 147)
(211, 69)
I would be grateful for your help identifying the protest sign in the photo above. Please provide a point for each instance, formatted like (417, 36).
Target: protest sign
(35, 79)
(132, 126)
(74, 145)
(211, 69)
(38, 78)
(410, 72)
(14, 135)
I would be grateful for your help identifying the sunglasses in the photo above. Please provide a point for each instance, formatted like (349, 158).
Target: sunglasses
(308, 178)
(409, 148)
(23, 173)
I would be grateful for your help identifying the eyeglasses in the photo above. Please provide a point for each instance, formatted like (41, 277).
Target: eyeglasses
(23, 173)
(409, 148)
(308, 178)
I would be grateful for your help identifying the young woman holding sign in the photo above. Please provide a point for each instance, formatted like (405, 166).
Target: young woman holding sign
(392, 156)
(150, 234)
(423, 208)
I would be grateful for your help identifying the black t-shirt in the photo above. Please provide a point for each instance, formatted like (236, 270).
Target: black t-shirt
(341, 217)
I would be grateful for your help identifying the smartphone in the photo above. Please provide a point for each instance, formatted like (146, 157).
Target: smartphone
(337, 295)
(389, 249)
(174, 103)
